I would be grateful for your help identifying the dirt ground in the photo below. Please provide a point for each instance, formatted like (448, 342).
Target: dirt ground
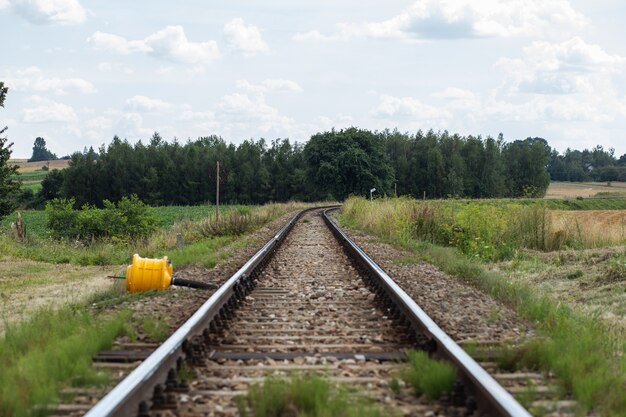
(559, 189)
(26, 286)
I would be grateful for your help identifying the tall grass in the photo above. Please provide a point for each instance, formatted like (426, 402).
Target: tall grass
(490, 231)
(588, 359)
(51, 350)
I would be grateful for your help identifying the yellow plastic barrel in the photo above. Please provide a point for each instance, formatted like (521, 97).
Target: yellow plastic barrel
(148, 274)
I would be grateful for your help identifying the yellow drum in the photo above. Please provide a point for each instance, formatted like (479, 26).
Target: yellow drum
(148, 274)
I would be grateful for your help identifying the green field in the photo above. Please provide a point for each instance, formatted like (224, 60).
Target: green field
(31, 176)
(166, 216)
(607, 203)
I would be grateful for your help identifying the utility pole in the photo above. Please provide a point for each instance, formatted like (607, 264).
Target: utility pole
(217, 194)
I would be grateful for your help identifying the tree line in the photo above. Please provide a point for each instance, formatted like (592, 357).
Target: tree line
(596, 164)
(330, 166)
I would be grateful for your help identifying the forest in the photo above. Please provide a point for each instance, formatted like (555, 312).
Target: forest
(330, 166)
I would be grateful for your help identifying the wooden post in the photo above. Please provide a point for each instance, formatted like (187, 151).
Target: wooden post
(179, 241)
(217, 195)
(20, 229)
(424, 195)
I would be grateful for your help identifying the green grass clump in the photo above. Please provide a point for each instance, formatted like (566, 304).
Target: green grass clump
(51, 350)
(310, 396)
(430, 377)
(156, 328)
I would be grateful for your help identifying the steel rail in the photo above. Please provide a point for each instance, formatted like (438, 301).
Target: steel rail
(126, 398)
(495, 397)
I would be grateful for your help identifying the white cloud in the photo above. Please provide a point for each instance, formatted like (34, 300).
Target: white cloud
(242, 112)
(119, 44)
(170, 43)
(48, 111)
(391, 107)
(61, 12)
(569, 67)
(130, 125)
(270, 85)
(190, 115)
(245, 38)
(32, 79)
(4, 4)
(451, 19)
(117, 67)
(141, 103)
(558, 83)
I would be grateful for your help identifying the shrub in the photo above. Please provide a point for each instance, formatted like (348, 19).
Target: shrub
(129, 219)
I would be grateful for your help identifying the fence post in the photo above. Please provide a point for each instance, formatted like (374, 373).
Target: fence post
(179, 241)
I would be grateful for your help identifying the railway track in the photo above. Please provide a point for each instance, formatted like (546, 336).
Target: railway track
(306, 303)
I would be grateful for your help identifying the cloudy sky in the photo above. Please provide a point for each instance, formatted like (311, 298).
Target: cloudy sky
(82, 71)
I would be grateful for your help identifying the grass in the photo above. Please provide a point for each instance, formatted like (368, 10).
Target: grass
(52, 350)
(430, 377)
(156, 328)
(201, 233)
(31, 176)
(310, 396)
(491, 230)
(586, 356)
(206, 252)
(34, 187)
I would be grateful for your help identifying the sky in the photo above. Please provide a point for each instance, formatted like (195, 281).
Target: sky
(80, 72)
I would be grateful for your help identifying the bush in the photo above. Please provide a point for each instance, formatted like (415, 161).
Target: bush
(130, 219)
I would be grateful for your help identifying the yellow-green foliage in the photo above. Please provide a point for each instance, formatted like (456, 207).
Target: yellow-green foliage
(487, 229)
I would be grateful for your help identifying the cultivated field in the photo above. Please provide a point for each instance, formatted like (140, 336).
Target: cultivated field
(559, 189)
(36, 166)
(595, 227)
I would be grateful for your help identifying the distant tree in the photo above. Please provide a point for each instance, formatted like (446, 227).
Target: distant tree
(527, 162)
(8, 186)
(40, 152)
(51, 185)
(349, 161)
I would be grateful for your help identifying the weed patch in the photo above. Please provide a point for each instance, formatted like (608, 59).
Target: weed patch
(312, 396)
(428, 376)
